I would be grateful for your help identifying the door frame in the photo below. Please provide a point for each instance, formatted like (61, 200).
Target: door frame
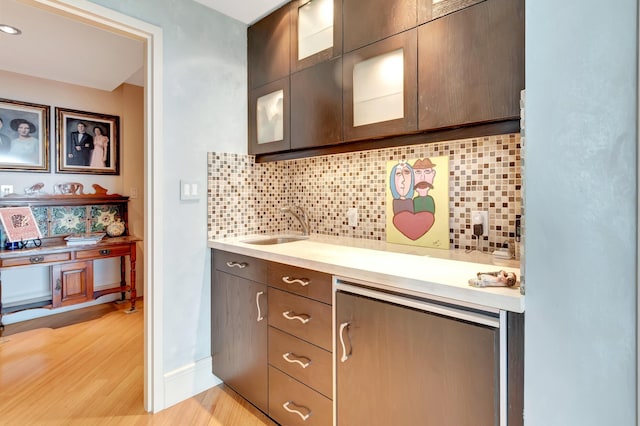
(151, 35)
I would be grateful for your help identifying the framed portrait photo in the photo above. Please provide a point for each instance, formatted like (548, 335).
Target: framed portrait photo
(87, 142)
(24, 136)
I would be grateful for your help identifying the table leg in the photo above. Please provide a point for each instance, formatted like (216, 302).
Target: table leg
(132, 260)
(123, 280)
(1, 324)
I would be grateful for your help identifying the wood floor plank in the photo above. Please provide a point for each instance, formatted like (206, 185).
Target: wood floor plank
(86, 373)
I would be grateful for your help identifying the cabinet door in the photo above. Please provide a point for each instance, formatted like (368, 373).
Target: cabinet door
(379, 88)
(471, 65)
(239, 336)
(367, 21)
(269, 118)
(316, 105)
(72, 283)
(316, 32)
(268, 48)
(436, 371)
(434, 9)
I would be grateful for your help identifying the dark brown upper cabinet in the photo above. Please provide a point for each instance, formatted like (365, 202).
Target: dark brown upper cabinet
(268, 48)
(367, 21)
(377, 100)
(434, 9)
(269, 117)
(316, 32)
(471, 65)
(316, 105)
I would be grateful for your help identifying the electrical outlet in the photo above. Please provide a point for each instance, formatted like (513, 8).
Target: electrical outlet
(352, 217)
(481, 218)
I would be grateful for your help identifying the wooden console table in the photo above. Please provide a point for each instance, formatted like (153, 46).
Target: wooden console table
(71, 266)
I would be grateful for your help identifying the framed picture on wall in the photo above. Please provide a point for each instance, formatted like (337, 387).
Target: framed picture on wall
(87, 142)
(24, 136)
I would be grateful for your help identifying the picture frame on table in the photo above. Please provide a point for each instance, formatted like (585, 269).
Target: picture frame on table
(87, 142)
(24, 136)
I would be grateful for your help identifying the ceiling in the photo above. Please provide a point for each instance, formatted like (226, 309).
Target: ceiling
(57, 48)
(247, 11)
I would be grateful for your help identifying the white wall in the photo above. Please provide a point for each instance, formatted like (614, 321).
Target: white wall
(580, 192)
(205, 109)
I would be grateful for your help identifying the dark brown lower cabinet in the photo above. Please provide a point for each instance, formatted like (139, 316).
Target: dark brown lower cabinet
(239, 336)
(400, 366)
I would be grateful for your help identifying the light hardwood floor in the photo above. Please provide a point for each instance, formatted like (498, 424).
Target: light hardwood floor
(91, 373)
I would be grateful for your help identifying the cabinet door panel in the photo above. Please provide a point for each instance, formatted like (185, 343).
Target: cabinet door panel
(301, 317)
(299, 400)
(72, 283)
(268, 122)
(299, 60)
(434, 9)
(239, 336)
(407, 43)
(303, 282)
(471, 65)
(316, 105)
(367, 21)
(303, 361)
(438, 371)
(268, 48)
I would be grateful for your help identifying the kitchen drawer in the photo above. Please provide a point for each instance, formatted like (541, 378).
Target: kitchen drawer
(287, 392)
(313, 366)
(240, 265)
(305, 282)
(36, 259)
(302, 317)
(104, 252)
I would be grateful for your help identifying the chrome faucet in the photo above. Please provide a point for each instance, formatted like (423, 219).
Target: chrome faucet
(302, 217)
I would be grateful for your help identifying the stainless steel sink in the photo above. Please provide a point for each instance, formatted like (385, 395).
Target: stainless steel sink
(275, 240)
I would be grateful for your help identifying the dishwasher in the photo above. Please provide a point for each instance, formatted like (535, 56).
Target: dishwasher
(402, 359)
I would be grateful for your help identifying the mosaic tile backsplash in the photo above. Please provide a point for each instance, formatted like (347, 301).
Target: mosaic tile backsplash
(245, 197)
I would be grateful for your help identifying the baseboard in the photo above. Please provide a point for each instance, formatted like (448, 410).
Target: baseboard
(187, 381)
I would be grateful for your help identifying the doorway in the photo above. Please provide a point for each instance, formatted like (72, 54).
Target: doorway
(101, 17)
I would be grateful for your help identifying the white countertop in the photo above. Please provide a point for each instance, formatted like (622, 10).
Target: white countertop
(405, 269)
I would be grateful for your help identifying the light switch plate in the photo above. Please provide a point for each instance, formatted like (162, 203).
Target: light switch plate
(190, 190)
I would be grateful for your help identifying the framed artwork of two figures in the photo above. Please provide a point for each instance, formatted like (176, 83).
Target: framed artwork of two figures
(86, 142)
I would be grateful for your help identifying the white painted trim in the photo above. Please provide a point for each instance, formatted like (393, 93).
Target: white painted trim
(192, 379)
(503, 369)
(93, 14)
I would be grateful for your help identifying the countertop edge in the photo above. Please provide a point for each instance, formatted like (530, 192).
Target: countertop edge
(499, 298)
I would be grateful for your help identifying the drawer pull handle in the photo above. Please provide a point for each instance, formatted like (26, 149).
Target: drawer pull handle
(258, 294)
(105, 252)
(240, 265)
(297, 361)
(345, 356)
(303, 318)
(302, 281)
(36, 259)
(304, 417)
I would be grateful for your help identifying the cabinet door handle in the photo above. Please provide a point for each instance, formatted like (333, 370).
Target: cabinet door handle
(36, 259)
(58, 284)
(105, 252)
(258, 294)
(345, 356)
(297, 361)
(240, 265)
(302, 281)
(304, 417)
(303, 318)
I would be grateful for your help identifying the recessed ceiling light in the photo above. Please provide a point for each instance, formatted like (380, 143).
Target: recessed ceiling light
(8, 29)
